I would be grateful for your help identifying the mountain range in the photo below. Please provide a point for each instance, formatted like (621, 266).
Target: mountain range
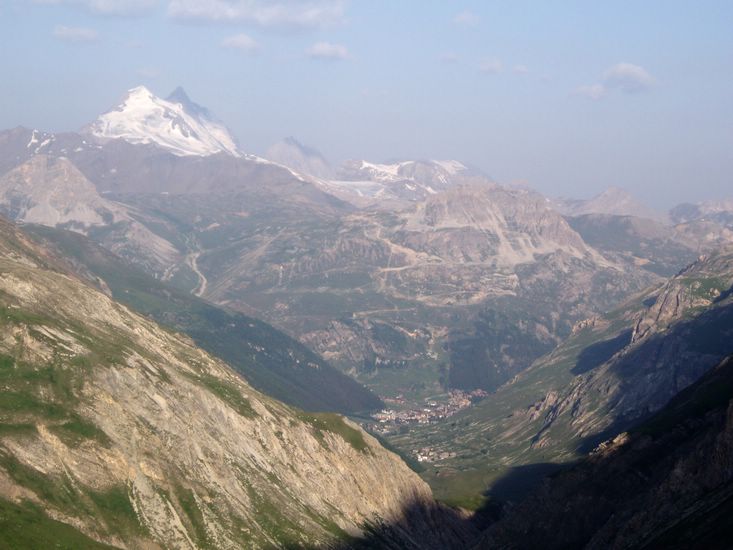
(423, 266)
(164, 290)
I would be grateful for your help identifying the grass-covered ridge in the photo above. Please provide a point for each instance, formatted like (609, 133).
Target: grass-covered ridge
(26, 527)
(335, 424)
(228, 393)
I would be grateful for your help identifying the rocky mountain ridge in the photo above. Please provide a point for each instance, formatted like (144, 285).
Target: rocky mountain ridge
(51, 191)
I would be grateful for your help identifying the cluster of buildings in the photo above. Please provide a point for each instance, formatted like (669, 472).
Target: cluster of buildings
(428, 454)
(390, 420)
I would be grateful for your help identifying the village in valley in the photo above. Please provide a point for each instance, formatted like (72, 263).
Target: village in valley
(390, 420)
(400, 417)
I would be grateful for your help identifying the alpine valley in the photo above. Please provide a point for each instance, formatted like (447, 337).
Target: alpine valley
(186, 322)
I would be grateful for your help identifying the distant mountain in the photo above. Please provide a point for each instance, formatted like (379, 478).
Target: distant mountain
(423, 269)
(304, 160)
(472, 278)
(611, 201)
(425, 173)
(96, 192)
(666, 484)
(175, 124)
(397, 183)
(652, 245)
(711, 211)
(52, 191)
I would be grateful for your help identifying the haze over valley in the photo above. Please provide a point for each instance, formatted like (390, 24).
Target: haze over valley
(209, 344)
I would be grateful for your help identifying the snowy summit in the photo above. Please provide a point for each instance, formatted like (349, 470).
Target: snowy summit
(175, 124)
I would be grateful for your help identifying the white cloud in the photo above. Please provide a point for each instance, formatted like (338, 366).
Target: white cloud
(520, 69)
(241, 42)
(109, 7)
(628, 78)
(263, 13)
(327, 50)
(448, 57)
(592, 91)
(625, 77)
(467, 18)
(491, 66)
(75, 34)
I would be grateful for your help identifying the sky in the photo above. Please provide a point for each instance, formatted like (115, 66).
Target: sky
(567, 97)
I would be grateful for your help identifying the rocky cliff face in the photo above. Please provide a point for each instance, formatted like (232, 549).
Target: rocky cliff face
(682, 332)
(51, 191)
(135, 437)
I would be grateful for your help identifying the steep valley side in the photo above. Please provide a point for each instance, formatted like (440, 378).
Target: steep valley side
(129, 435)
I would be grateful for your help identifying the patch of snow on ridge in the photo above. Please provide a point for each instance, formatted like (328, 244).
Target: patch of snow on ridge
(384, 172)
(450, 166)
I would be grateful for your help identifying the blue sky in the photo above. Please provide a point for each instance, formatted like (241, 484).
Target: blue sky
(567, 97)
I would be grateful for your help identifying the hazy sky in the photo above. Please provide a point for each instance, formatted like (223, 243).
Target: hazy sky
(567, 97)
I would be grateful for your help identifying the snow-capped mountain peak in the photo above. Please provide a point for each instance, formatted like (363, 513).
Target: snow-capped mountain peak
(176, 124)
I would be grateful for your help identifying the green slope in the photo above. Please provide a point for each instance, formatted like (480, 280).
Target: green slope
(25, 527)
(270, 360)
